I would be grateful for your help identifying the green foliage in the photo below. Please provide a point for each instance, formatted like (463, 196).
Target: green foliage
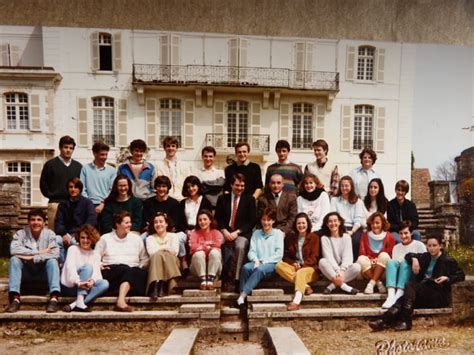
(464, 255)
(4, 266)
(466, 190)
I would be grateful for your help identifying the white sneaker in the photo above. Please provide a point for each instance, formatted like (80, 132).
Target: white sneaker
(369, 289)
(389, 302)
(381, 287)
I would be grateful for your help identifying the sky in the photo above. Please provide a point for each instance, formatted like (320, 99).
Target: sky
(443, 103)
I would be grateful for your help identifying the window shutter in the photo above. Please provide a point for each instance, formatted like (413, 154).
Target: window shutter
(122, 123)
(164, 50)
(151, 122)
(188, 123)
(174, 50)
(380, 133)
(255, 118)
(219, 140)
(83, 138)
(5, 55)
(35, 113)
(2, 169)
(36, 196)
(95, 51)
(284, 121)
(14, 56)
(243, 52)
(380, 66)
(346, 128)
(320, 113)
(2, 114)
(233, 52)
(309, 56)
(350, 62)
(299, 60)
(117, 52)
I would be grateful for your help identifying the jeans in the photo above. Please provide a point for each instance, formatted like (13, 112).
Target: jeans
(29, 271)
(250, 277)
(397, 274)
(62, 248)
(85, 273)
(415, 235)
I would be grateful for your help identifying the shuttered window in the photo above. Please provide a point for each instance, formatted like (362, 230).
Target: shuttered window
(365, 63)
(105, 51)
(16, 108)
(302, 126)
(363, 126)
(237, 122)
(22, 170)
(171, 119)
(104, 120)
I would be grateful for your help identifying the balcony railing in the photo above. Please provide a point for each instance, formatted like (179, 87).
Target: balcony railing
(226, 142)
(243, 76)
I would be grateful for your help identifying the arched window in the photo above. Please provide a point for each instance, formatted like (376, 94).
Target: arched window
(170, 119)
(237, 122)
(365, 63)
(302, 123)
(363, 126)
(104, 120)
(16, 107)
(22, 170)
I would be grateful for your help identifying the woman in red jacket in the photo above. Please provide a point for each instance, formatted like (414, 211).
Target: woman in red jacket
(375, 251)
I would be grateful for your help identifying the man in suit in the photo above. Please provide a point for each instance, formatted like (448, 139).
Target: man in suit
(284, 202)
(236, 216)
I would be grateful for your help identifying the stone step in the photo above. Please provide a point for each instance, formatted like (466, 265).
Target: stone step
(285, 341)
(199, 293)
(231, 327)
(318, 298)
(229, 311)
(180, 341)
(263, 292)
(197, 308)
(268, 307)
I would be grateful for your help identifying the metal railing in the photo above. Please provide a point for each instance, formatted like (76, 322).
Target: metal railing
(226, 141)
(243, 76)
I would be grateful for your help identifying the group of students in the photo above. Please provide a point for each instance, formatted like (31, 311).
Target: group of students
(158, 224)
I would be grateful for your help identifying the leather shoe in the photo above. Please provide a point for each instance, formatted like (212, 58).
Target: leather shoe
(13, 307)
(402, 326)
(326, 291)
(127, 309)
(67, 308)
(293, 306)
(377, 325)
(53, 306)
(308, 290)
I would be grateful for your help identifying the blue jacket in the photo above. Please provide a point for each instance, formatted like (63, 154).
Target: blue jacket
(143, 185)
(73, 214)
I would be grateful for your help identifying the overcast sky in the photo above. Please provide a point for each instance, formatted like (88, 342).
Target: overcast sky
(443, 103)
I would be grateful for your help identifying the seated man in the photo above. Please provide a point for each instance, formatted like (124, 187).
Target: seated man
(283, 202)
(235, 215)
(34, 257)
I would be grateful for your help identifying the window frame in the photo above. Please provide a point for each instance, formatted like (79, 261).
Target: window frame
(365, 119)
(173, 129)
(26, 195)
(105, 125)
(307, 110)
(365, 64)
(16, 106)
(242, 122)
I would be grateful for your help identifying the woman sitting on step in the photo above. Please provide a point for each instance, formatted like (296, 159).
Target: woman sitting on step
(375, 251)
(300, 259)
(337, 262)
(434, 272)
(162, 247)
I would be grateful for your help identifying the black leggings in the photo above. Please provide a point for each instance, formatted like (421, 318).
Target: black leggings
(119, 273)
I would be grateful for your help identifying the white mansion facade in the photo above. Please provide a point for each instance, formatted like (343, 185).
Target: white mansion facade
(206, 89)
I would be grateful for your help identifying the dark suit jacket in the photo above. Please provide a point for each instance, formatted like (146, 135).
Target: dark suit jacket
(246, 214)
(182, 221)
(286, 210)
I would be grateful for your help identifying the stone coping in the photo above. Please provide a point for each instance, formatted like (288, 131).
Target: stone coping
(213, 298)
(285, 341)
(180, 341)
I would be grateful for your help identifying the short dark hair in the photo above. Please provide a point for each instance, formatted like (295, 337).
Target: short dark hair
(435, 237)
(371, 152)
(162, 180)
(37, 212)
(191, 180)
(238, 176)
(241, 144)
(100, 146)
(282, 144)
(66, 140)
(403, 184)
(91, 233)
(404, 224)
(77, 183)
(170, 140)
(321, 143)
(208, 149)
(137, 144)
(119, 217)
(269, 212)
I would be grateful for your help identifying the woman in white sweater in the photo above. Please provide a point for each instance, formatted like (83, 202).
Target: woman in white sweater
(398, 271)
(124, 260)
(313, 200)
(81, 271)
(337, 262)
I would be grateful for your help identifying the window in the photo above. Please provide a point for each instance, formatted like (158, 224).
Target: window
(22, 170)
(365, 63)
(104, 122)
(363, 126)
(17, 111)
(237, 122)
(170, 119)
(105, 51)
(302, 137)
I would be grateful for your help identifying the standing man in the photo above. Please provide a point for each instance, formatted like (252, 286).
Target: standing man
(98, 177)
(251, 171)
(283, 202)
(171, 167)
(55, 175)
(290, 172)
(212, 179)
(363, 174)
(236, 217)
(327, 173)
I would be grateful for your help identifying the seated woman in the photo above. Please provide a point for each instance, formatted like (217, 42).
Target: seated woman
(375, 251)
(124, 260)
(375, 200)
(434, 272)
(81, 274)
(162, 247)
(300, 259)
(266, 250)
(188, 209)
(121, 199)
(337, 263)
(313, 200)
(205, 244)
(398, 271)
(351, 209)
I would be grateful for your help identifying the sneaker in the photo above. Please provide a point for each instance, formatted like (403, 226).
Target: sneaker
(369, 289)
(13, 307)
(53, 306)
(381, 287)
(389, 302)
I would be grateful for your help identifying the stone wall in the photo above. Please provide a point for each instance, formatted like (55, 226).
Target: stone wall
(420, 191)
(10, 202)
(465, 165)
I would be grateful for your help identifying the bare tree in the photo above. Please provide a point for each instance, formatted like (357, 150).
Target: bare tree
(447, 170)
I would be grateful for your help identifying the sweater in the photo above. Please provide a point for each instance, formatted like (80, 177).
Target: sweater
(152, 206)
(77, 257)
(397, 213)
(291, 174)
(338, 251)
(155, 243)
(199, 239)
(252, 173)
(399, 251)
(133, 205)
(129, 250)
(97, 182)
(54, 178)
(72, 215)
(387, 245)
(352, 213)
(316, 209)
(266, 248)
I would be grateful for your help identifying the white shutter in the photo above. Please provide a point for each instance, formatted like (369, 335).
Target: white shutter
(219, 125)
(284, 121)
(308, 64)
(14, 56)
(82, 126)
(151, 122)
(350, 63)
(233, 59)
(380, 133)
(380, 64)
(299, 60)
(345, 128)
(36, 196)
(188, 124)
(122, 123)
(320, 113)
(5, 55)
(256, 108)
(174, 50)
(95, 55)
(243, 47)
(117, 49)
(164, 50)
(35, 113)
(2, 114)
(2, 169)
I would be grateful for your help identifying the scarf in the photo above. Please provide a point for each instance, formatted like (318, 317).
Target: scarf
(311, 196)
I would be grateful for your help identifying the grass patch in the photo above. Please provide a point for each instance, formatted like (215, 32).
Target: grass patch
(4, 266)
(464, 255)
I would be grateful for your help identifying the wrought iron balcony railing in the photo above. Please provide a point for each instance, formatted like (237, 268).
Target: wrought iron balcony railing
(226, 142)
(243, 76)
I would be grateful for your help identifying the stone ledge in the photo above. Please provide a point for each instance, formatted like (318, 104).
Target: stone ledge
(267, 292)
(97, 315)
(231, 327)
(285, 341)
(320, 298)
(180, 341)
(132, 300)
(199, 293)
(268, 307)
(197, 308)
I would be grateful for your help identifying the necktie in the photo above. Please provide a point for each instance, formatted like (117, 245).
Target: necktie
(234, 212)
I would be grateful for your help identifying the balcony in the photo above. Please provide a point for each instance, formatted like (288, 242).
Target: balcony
(214, 75)
(224, 142)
